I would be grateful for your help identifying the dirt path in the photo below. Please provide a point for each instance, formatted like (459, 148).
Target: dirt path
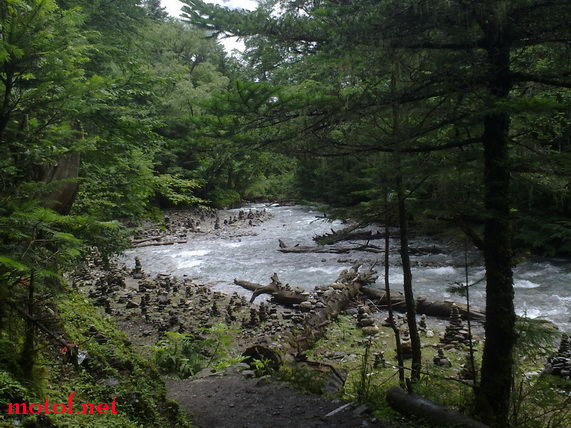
(233, 401)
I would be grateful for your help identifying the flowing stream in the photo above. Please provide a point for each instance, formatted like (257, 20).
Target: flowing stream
(542, 286)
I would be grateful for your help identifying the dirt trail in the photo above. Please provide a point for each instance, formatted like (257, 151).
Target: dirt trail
(233, 401)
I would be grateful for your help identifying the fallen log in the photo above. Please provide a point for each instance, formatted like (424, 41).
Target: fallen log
(437, 415)
(334, 300)
(157, 244)
(282, 294)
(305, 249)
(329, 301)
(348, 234)
(140, 241)
(436, 309)
(335, 235)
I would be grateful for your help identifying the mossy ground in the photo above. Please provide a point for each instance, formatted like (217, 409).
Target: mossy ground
(111, 369)
(439, 384)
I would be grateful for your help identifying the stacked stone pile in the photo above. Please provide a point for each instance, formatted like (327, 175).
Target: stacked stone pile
(559, 364)
(455, 333)
(440, 359)
(365, 321)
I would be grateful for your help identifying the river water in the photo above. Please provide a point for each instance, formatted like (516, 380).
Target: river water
(543, 286)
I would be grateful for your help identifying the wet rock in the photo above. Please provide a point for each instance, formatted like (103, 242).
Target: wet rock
(131, 305)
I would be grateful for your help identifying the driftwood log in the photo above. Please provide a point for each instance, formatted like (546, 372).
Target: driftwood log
(439, 416)
(334, 298)
(305, 249)
(423, 306)
(157, 244)
(281, 293)
(347, 234)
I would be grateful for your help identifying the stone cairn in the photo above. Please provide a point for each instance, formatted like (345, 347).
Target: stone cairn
(263, 313)
(466, 371)
(455, 333)
(406, 345)
(137, 272)
(253, 321)
(440, 359)
(422, 324)
(366, 323)
(379, 360)
(559, 364)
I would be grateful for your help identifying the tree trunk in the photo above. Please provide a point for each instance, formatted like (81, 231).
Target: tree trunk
(416, 365)
(497, 364)
(407, 274)
(27, 354)
(62, 197)
(394, 327)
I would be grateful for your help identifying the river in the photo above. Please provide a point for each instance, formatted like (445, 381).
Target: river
(542, 286)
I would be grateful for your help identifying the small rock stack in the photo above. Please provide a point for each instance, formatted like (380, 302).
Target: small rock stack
(137, 272)
(467, 372)
(559, 364)
(379, 360)
(440, 359)
(406, 345)
(367, 323)
(455, 333)
(422, 324)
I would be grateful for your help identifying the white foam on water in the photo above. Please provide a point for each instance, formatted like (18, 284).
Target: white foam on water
(524, 283)
(193, 253)
(443, 270)
(232, 244)
(529, 312)
(328, 269)
(189, 264)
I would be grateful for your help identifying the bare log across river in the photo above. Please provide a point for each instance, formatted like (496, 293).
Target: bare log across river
(284, 248)
(439, 309)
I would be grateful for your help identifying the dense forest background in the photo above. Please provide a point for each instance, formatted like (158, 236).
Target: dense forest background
(449, 115)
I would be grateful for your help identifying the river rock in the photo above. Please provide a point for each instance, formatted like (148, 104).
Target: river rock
(371, 330)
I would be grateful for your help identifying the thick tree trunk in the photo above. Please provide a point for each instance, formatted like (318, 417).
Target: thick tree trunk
(497, 364)
(64, 176)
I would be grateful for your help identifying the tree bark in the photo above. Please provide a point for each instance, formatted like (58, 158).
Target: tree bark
(407, 275)
(392, 322)
(493, 399)
(66, 171)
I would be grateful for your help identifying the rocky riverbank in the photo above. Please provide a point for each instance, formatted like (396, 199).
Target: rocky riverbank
(147, 307)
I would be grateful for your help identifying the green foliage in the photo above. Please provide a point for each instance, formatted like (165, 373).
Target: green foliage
(303, 378)
(180, 354)
(185, 355)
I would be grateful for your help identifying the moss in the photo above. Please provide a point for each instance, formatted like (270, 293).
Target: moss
(111, 370)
